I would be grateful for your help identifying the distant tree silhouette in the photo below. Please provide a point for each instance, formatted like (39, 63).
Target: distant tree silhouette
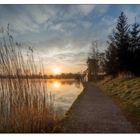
(135, 49)
(101, 62)
(111, 61)
(121, 37)
(93, 63)
(122, 54)
(117, 53)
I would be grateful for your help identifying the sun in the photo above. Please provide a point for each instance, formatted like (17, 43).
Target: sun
(56, 71)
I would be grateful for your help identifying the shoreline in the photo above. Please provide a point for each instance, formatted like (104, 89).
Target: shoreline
(57, 128)
(88, 114)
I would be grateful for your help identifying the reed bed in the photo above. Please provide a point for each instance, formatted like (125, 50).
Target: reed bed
(25, 104)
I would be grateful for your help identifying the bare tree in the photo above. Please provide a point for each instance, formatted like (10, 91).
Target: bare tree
(92, 62)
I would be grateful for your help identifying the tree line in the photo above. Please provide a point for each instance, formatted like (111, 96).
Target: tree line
(123, 52)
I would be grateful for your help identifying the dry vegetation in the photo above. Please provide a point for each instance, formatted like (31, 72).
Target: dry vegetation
(127, 89)
(25, 105)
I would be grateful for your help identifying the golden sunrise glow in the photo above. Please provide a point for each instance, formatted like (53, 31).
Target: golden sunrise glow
(56, 84)
(56, 71)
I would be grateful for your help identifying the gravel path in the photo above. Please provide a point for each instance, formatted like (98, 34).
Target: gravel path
(94, 112)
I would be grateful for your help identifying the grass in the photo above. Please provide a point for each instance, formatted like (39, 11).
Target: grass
(25, 104)
(126, 93)
(127, 89)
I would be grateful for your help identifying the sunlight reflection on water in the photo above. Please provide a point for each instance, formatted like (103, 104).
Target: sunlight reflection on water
(56, 84)
(65, 92)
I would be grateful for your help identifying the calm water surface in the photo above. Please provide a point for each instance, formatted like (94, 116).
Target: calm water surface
(65, 93)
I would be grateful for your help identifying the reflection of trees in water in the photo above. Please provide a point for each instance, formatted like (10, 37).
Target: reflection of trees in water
(77, 83)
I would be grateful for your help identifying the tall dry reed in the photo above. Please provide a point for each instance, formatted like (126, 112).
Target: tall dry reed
(25, 105)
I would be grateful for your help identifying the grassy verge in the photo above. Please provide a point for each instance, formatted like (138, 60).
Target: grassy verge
(126, 93)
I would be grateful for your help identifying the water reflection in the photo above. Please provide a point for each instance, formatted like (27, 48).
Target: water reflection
(65, 92)
(56, 84)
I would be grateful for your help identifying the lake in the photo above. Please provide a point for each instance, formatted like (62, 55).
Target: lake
(38, 93)
(64, 92)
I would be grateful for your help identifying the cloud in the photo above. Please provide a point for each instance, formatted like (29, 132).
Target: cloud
(37, 18)
(63, 26)
(86, 9)
(63, 33)
(102, 9)
(25, 18)
(68, 54)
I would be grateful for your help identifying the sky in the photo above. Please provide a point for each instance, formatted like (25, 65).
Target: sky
(61, 35)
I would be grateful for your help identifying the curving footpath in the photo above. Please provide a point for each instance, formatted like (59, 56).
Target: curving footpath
(94, 112)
